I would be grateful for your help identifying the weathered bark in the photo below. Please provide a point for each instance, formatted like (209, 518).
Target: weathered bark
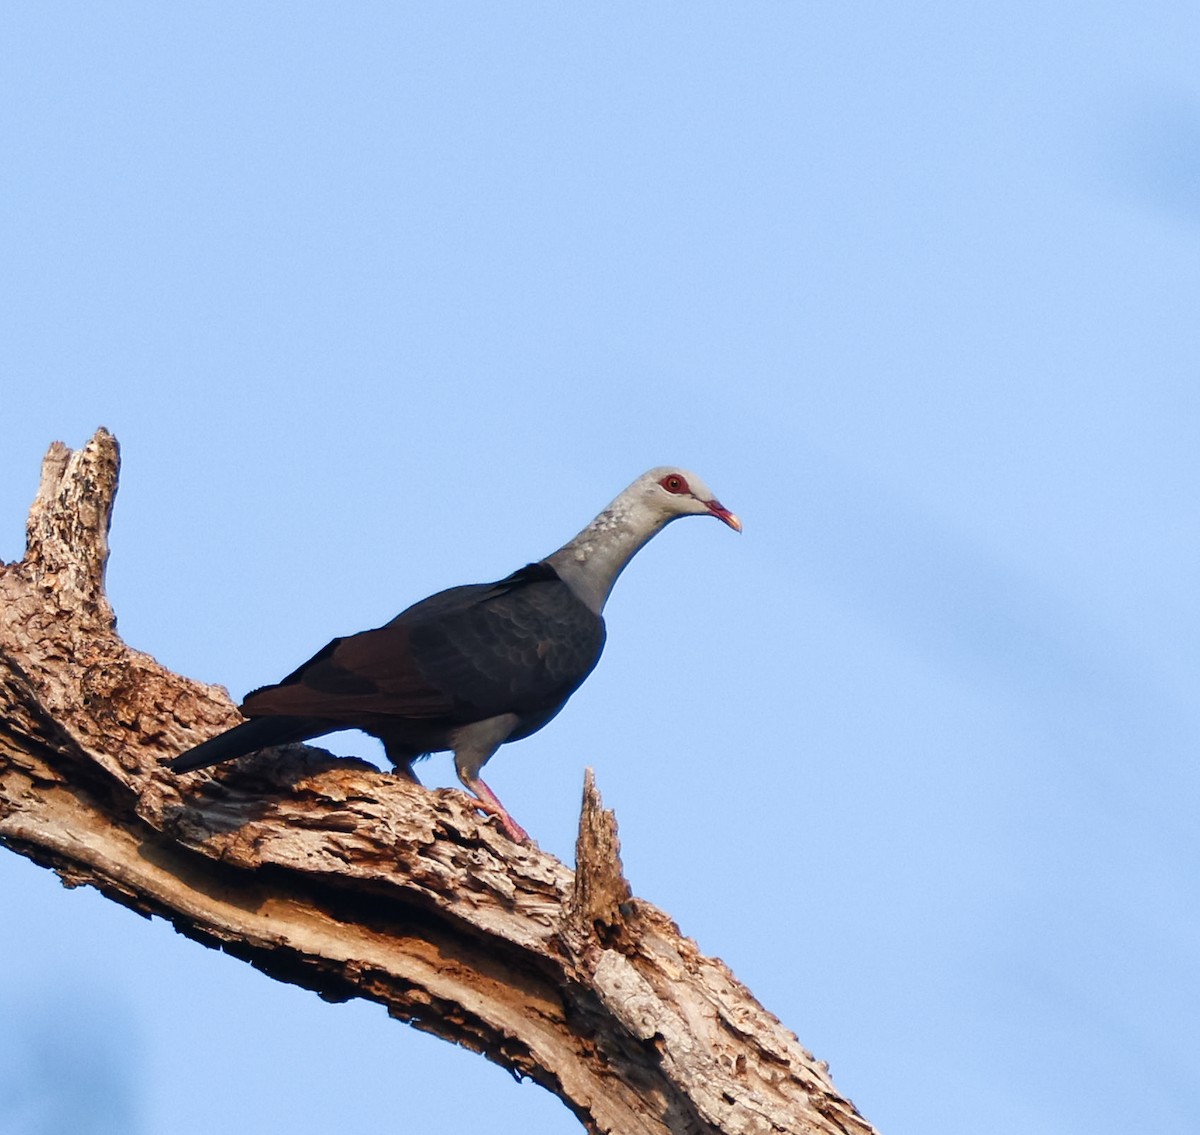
(329, 874)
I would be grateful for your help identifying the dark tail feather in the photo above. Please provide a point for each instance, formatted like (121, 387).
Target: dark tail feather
(249, 737)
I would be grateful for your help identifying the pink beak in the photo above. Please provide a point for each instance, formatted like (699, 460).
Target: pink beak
(723, 514)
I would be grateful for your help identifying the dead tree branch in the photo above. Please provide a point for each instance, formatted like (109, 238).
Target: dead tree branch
(334, 876)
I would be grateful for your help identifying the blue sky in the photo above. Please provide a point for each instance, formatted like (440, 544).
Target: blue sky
(384, 299)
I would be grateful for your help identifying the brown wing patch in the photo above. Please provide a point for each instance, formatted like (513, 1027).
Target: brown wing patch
(367, 673)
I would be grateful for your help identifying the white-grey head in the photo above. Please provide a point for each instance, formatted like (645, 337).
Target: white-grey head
(667, 492)
(591, 562)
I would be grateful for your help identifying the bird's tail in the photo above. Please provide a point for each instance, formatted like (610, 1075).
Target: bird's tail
(249, 737)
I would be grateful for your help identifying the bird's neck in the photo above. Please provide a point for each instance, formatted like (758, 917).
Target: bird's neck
(590, 563)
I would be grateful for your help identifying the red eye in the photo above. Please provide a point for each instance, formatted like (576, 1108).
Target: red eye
(674, 483)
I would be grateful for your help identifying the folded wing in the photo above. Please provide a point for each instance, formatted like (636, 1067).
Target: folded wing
(521, 645)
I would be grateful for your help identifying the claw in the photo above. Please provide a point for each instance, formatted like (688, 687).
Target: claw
(487, 801)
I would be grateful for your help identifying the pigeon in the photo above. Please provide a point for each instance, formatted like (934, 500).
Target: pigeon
(474, 667)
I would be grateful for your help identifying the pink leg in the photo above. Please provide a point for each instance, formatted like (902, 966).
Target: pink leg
(488, 801)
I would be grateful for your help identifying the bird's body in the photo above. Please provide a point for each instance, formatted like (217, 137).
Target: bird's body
(473, 667)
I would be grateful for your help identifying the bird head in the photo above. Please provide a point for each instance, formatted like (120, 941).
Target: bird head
(673, 492)
(591, 562)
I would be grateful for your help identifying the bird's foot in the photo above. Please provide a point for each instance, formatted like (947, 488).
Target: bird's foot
(487, 801)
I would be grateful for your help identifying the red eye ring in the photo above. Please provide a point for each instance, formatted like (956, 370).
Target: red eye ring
(674, 483)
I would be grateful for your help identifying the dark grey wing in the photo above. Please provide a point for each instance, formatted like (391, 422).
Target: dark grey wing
(369, 673)
(521, 645)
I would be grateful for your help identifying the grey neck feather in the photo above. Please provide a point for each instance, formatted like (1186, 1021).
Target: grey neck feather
(590, 563)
